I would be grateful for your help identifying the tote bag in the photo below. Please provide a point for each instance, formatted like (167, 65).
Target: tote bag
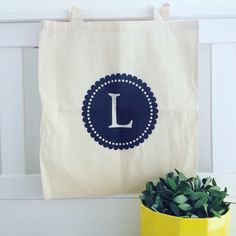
(119, 104)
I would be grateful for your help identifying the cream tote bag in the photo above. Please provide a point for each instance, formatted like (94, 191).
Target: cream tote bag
(119, 103)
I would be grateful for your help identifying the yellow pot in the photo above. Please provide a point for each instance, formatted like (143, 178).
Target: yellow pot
(158, 224)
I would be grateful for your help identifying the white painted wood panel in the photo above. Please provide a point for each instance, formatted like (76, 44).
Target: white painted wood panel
(84, 217)
(74, 218)
(210, 30)
(111, 215)
(37, 10)
(224, 107)
(32, 109)
(19, 34)
(217, 31)
(29, 187)
(221, 5)
(32, 102)
(204, 98)
(12, 112)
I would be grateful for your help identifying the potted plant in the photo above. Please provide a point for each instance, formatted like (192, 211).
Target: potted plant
(180, 206)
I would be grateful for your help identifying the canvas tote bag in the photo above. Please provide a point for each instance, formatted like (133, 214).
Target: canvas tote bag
(119, 103)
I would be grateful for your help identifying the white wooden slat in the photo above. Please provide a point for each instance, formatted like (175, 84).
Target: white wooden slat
(202, 11)
(204, 97)
(132, 9)
(9, 39)
(75, 218)
(23, 187)
(83, 217)
(20, 187)
(12, 112)
(19, 34)
(32, 111)
(29, 187)
(32, 15)
(224, 107)
(217, 31)
(210, 31)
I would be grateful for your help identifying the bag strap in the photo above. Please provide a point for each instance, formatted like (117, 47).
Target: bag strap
(162, 13)
(76, 14)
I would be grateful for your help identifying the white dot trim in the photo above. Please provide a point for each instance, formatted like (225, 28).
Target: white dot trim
(150, 106)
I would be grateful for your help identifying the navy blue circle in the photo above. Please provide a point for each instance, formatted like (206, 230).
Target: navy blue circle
(119, 111)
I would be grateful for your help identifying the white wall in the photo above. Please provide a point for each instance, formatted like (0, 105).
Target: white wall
(22, 210)
(74, 218)
(115, 4)
(96, 217)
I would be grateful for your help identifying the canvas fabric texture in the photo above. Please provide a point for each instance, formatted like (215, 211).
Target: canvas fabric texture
(119, 104)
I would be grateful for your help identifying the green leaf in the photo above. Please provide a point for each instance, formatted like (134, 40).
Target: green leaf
(154, 207)
(191, 215)
(149, 187)
(205, 208)
(215, 213)
(191, 182)
(216, 203)
(191, 198)
(159, 186)
(223, 194)
(200, 202)
(181, 176)
(174, 209)
(142, 196)
(149, 201)
(194, 182)
(158, 200)
(214, 188)
(163, 182)
(215, 193)
(222, 211)
(165, 211)
(214, 182)
(185, 207)
(180, 199)
(199, 182)
(171, 183)
(206, 181)
(197, 195)
(206, 188)
(225, 191)
(166, 194)
(159, 203)
(184, 188)
(187, 191)
(171, 175)
(184, 185)
(177, 171)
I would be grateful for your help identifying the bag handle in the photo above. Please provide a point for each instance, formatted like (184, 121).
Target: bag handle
(162, 13)
(76, 14)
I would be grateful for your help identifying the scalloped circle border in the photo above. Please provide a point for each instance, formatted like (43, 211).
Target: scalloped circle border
(119, 78)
